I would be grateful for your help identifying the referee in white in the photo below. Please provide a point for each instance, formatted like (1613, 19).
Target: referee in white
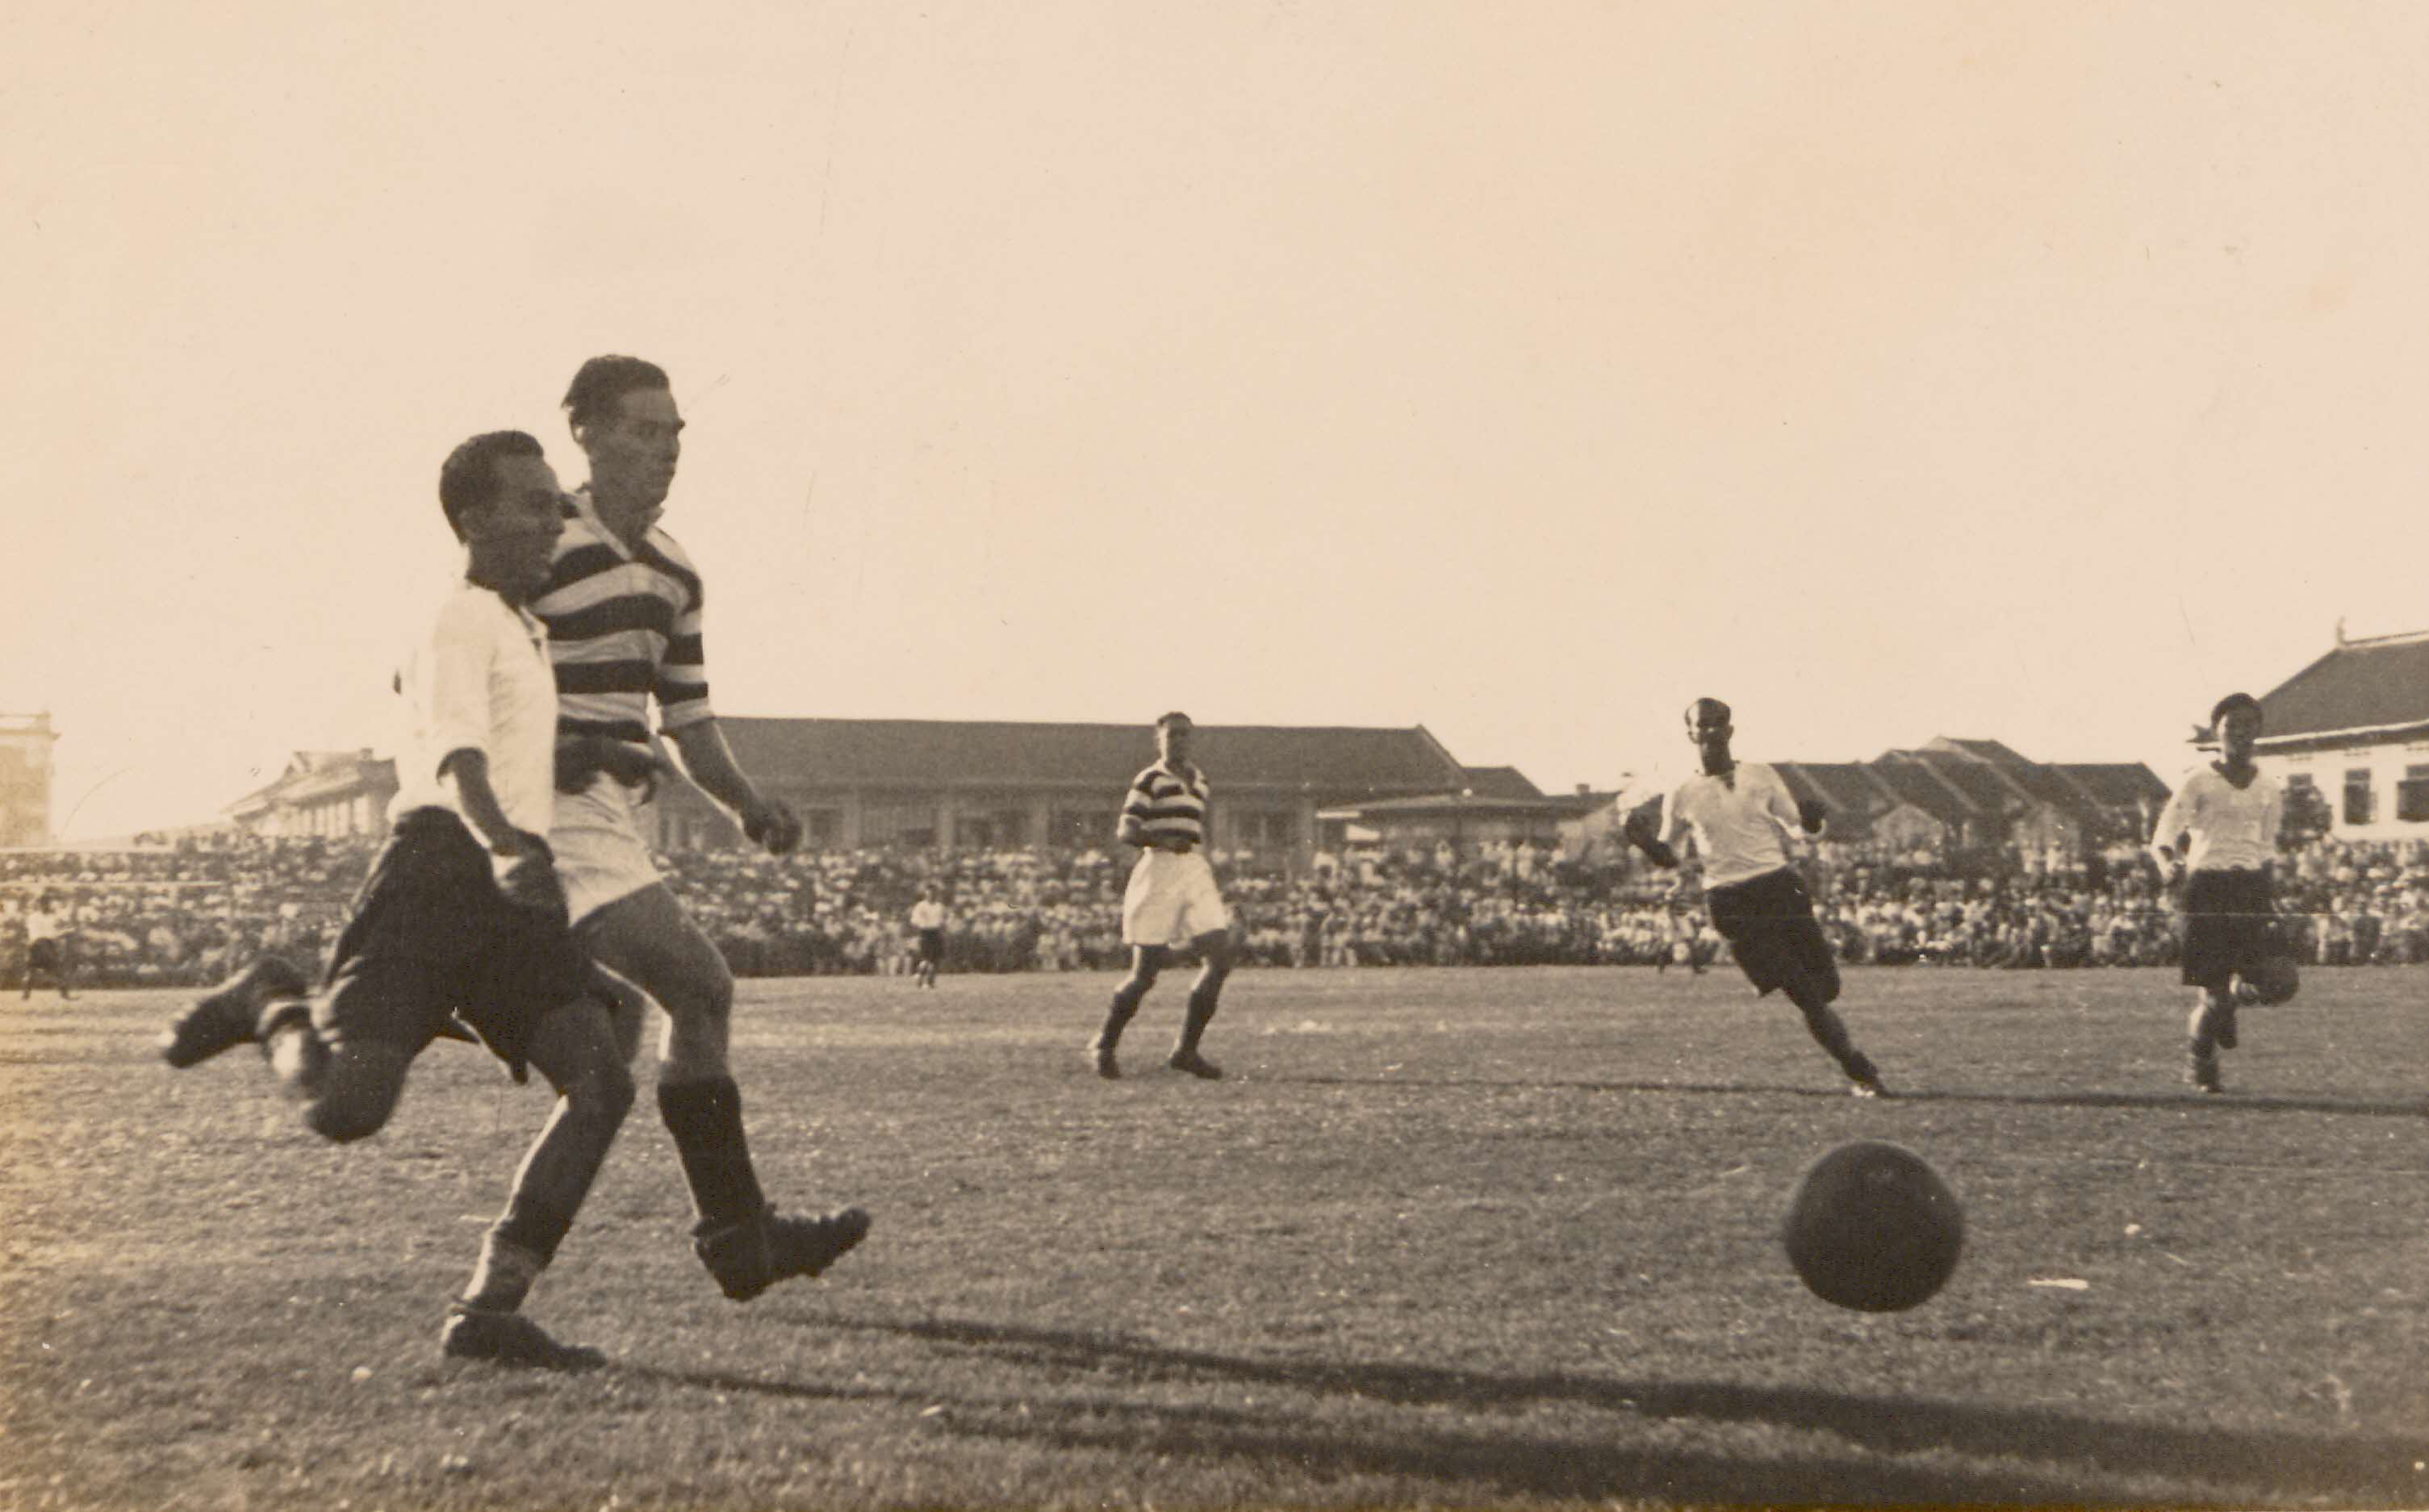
(1172, 904)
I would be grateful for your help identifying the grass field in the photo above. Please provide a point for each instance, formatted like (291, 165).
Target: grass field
(1447, 1238)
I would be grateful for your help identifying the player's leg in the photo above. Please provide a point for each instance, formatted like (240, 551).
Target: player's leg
(2211, 1005)
(2212, 931)
(348, 1085)
(1146, 963)
(577, 1048)
(1807, 972)
(1213, 950)
(645, 938)
(66, 976)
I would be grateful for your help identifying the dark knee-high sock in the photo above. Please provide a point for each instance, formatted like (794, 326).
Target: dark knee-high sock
(1127, 998)
(1203, 994)
(1829, 1031)
(705, 1118)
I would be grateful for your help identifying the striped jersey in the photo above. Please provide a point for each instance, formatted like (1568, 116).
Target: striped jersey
(1162, 803)
(623, 627)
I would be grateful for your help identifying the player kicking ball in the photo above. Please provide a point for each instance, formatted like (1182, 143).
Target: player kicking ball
(1741, 813)
(462, 914)
(2218, 837)
(1171, 904)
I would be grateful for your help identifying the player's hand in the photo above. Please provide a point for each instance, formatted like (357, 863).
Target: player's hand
(1810, 813)
(529, 878)
(772, 826)
(1637, 828)
(581, 760)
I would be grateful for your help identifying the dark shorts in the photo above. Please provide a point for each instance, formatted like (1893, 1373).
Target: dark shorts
(931, 944)
(2230, 924)
(1769, 924)
(44, 955)
(431, 935)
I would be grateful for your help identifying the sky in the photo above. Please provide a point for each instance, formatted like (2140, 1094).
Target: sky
(1891, 371)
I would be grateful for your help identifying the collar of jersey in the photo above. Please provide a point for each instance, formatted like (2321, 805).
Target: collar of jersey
(587, 510)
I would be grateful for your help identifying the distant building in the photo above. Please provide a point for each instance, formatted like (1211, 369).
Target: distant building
(26, 742)
(1972, 793)
(331, 793)
(966, 784)
(2352, 728)
(1491, 805)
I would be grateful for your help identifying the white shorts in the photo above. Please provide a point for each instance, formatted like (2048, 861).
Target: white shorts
(1171, 901)
(600, 854)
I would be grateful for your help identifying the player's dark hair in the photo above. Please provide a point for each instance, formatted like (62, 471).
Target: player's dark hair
(1175, 717)
(602, 381)
(468, 479)
(1701, 704)
(2229, 704)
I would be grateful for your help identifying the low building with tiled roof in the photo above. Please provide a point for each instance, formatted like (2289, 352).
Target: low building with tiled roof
(986, 784)
(2353, 729)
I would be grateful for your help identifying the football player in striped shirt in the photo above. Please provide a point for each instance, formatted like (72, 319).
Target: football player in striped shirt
(1172, 904)
(2218, 836)
(1741, 813)
(623, 616)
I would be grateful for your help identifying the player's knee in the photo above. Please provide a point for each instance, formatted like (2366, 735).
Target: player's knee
(606, 1088)
(1814, 991)
(344, 1114)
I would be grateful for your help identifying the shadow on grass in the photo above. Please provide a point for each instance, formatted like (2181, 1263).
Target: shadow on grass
(2235, 1102)
(2056, 1452)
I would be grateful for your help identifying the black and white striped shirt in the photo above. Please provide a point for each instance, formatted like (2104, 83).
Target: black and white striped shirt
(1165, 804)
(623, 627)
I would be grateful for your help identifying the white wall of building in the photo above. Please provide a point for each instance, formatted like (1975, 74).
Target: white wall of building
(2387, 763)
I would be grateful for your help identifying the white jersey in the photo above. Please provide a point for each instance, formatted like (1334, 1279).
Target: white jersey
(480, 681)
(1741, 822)
(927, 915)
(2232, 828)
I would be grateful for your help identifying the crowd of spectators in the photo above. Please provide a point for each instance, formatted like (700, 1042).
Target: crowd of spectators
(187, 913)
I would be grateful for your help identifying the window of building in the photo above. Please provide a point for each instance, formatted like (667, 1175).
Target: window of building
(2412, 795)
(2357, 796)
(1080, 829)
(822, 828)
(899, 822)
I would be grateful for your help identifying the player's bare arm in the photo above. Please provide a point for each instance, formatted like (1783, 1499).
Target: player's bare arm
(710, 761)
(532, 880)
(1639, 831)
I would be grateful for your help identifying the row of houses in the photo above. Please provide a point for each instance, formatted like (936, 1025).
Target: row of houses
(2352, 728)
(1283, 792)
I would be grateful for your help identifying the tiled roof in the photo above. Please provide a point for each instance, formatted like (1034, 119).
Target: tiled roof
(2115, 784)
(1499, 782)
(2364, 684)
(1334, 763)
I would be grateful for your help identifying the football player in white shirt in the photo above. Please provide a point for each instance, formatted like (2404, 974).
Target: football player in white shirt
(462, 915)
(1741, 813)
(928, 926)
(2225, 815)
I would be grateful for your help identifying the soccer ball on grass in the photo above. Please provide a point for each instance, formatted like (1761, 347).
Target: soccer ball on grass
(1873, 1228)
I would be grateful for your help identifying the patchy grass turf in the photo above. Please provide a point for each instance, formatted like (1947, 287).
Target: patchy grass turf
(1447, 1238)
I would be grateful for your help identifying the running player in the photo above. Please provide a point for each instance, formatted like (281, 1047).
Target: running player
(623, 616)
(2218, 836)
(50, 942)
(462, 912)
(1741, 813)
